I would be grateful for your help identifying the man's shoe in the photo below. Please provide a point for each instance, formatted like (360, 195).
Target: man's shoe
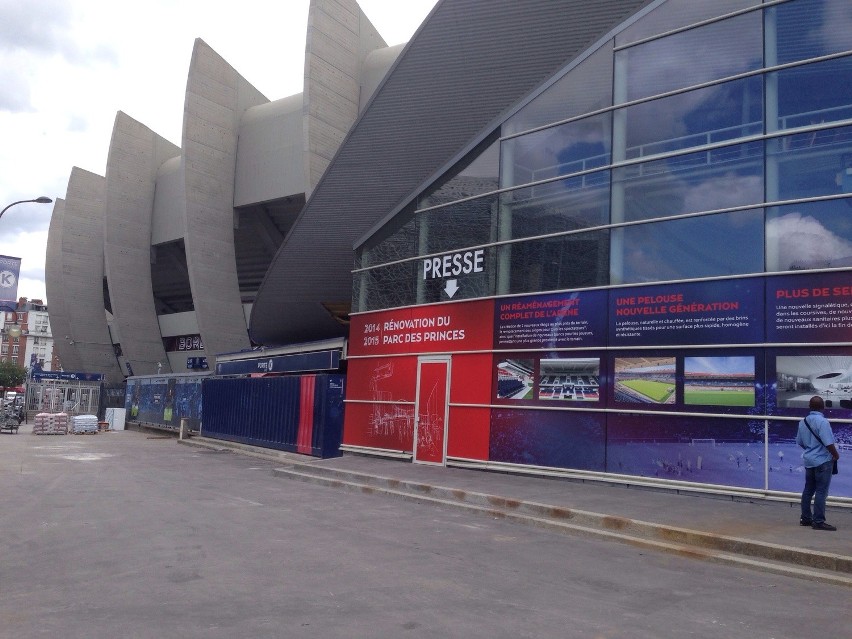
(805, 522)
(823, 526)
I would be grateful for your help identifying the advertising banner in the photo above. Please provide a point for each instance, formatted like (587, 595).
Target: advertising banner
(10, 271)
(559, 320)
(717, 312)
(809, 308)
(425, 329)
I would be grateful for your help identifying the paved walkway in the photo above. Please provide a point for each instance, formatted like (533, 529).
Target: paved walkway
(751, 528)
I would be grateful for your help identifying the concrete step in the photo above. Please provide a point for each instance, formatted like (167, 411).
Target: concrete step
(772, 558)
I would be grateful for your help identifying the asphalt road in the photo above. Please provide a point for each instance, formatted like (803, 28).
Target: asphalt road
(123, 535)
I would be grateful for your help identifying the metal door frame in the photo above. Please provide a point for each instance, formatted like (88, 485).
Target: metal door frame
(432, 359)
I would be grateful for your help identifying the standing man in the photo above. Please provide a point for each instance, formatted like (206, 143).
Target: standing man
(816, 438)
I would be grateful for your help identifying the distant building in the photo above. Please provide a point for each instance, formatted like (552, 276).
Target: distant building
(35, 345)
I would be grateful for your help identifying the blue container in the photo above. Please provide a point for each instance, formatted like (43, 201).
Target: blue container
(300, 414)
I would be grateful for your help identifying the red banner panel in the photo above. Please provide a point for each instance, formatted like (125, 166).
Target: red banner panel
(388, 426)
(438, 328)
(390, 379)
(470, 379)
(469, 433)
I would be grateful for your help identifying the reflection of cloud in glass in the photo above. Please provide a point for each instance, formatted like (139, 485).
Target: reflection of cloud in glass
(801, 241)
(722, 192)
(835, 32)
(699, 55)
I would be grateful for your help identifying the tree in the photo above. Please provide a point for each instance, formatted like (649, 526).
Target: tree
(11, 374)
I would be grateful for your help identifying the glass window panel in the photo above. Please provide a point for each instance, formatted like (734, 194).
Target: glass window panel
(814, 93)
(396, 240)
(708, 180)
(713, 245)
(811, 28)
(560, 150)
(555, 207)
(461, 224)
(675, 14)
(434, 231)
(713, 114)
(386, 286)
(570, 261)
(809, 235)
(477, 173)
(587, 87)
(692, 57)
(809, 164)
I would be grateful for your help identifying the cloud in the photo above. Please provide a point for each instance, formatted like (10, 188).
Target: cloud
(15, 96)
(34, 26)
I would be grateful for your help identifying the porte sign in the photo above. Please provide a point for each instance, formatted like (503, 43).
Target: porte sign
(454, 264)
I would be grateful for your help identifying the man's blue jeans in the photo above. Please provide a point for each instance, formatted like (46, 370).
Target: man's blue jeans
(817, 480)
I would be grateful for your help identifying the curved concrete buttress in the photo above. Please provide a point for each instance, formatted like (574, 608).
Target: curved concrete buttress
(135, 155)
(83, 274)
(339, 38)
(54, 283)
(216, 97)
(376, 67)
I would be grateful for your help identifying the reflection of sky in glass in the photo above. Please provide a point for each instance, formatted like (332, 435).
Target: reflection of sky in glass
(811, 28)
(675, 14)
(722, 244)
(699, 55)
(569, 148)
(719, 365)
(586, 88)
(705, 116)
(728, 177)
(797, 240)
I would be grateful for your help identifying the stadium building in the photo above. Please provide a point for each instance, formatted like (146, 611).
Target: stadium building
(604, 239)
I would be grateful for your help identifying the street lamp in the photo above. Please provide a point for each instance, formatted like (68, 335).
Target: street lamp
(14, 330)
(39, 200)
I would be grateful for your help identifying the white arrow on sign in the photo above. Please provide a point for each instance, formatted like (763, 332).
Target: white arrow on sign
(451, 288)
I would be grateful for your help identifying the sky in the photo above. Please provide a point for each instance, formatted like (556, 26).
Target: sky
(68, 66)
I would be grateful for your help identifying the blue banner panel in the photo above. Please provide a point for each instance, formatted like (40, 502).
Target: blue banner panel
(809, 308)
(717, 312)
(68, 376)
(548, 438)
(164, 400)
(296, 363)
(10, 270)
(728, 452)
(556, 320)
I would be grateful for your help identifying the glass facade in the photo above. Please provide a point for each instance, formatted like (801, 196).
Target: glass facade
(722, 113)
(659, 243)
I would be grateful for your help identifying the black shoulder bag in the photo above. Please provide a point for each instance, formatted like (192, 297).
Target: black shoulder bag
(834, 470)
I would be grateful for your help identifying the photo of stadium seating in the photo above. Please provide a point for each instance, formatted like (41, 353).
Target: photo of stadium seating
(719, 381)
(570, 379)
(515, 379)
(645, 380)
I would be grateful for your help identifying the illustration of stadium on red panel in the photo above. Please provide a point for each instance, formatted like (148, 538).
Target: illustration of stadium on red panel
(438, 328)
